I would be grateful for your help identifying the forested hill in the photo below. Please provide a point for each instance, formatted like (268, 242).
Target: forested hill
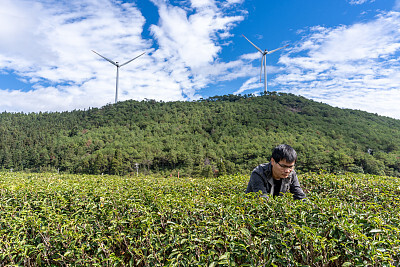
(218, 135)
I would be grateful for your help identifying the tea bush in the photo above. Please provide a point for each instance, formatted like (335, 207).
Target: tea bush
(59, 219)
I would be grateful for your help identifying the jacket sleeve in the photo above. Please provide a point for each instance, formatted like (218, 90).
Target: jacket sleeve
(256, 184)
(295, 188)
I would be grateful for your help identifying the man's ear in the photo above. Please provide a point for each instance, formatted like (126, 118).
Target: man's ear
(272, 161)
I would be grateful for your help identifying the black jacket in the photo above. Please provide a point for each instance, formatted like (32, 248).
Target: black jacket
(261, 180)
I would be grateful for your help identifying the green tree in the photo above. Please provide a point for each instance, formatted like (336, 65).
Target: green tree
(221, 168)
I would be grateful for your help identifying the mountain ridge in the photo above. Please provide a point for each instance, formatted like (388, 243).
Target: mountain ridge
(213, 136)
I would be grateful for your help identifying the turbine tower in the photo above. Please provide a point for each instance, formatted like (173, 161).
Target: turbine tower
(118, 66)
(264, 61)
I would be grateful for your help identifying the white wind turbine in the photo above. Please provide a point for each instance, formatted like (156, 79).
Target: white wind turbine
(118, 66)
(264, 61)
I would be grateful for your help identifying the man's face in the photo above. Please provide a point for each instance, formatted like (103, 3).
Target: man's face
(281, 169)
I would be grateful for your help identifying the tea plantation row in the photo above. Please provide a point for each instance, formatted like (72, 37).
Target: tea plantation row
(52, 219)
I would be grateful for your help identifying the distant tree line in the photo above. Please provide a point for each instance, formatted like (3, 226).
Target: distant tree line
(209, 137)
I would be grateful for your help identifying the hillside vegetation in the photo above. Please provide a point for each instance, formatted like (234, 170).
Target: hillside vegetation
(99, 220)
(209, 137)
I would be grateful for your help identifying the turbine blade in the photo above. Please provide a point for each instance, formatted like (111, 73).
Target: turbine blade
(132, 59)
(254, 45)
(270, 52)
(109, 60)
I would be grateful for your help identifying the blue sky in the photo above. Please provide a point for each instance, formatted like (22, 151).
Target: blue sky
(341, 52)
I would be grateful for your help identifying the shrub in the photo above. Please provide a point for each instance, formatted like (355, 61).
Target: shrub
(52, 219)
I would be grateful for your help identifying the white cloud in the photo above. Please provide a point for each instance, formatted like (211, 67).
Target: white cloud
(250, 84)
(194, 38)
(49, 44)
(353, 66)
(359, 2)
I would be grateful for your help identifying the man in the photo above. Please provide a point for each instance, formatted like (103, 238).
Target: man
(278, 176)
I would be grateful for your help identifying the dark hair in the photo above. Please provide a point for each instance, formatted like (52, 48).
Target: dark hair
(284, 152)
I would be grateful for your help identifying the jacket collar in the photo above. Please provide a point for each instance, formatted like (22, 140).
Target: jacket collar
(268, 174)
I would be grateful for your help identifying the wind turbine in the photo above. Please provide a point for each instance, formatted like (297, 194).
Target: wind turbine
(264, 61)
(118, 66)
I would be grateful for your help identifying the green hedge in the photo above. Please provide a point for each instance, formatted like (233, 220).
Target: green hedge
(52, 219)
